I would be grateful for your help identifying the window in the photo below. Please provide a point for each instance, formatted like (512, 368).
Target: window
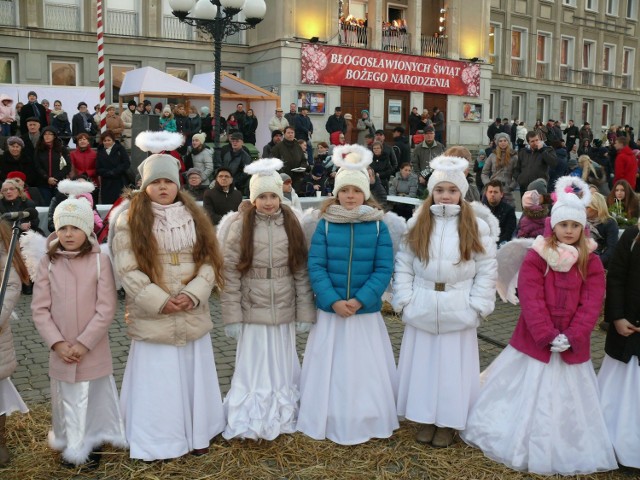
(587, 108)
(183, 73)
(628, 57)
(591, 5)
(608, 65)
(117, 77)
(495, 37)
(517, 104)
(64, 73)
(8, 13)
(566, 107)
(632, 9)
(625, 114)
(542, 104)
(607, 110)
(569, 3)
(543, 53)
(567, 49)
(62, 15)
(612, 7)
(172, 27)
(494, 99)
(121, 17)
(588, 61)
(7, 70)
(518, 52)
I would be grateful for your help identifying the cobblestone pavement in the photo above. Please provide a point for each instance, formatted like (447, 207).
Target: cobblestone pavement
(32, 381)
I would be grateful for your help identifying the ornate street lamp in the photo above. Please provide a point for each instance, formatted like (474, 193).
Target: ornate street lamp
(215, 17)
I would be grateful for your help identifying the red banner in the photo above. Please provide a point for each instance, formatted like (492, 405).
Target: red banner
(354, 67)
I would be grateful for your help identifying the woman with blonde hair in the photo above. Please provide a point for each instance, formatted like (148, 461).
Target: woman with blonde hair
(499, 166)
(593, 174)
(603, 227)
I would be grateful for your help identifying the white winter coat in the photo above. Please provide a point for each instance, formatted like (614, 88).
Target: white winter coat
(468, 288)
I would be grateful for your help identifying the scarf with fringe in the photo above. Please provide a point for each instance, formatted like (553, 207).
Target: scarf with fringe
(173, 227)
(364, 213)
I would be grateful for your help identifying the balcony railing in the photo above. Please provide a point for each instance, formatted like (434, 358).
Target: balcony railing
(122, 22)
(542, 71)
(587, 77)
(627, 82)
(354, 35)
(434, 46)
(62, 17)
(566, 74)
(7, 13)
(517, 67)
(174, 29)
(608, 79)
(396, 41)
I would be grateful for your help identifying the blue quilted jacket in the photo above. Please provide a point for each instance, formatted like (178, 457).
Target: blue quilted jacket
(348, 260)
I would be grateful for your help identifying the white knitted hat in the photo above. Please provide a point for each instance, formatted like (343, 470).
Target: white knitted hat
(159, 165)
(265, 178)
(449, 169)
(353, 161)
(573, 198)
(74, 211)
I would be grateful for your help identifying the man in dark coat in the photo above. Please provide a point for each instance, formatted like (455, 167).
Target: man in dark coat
(493, 129)
(504, 212)
(222, 197)
(32, 109)
(572, 134)
(235, 159)
(401, 146)
(336, 122)
(414, 121)
(292, 156)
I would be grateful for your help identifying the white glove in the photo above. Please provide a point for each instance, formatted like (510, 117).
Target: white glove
(560, 344)
(233, 330)
(303, 327)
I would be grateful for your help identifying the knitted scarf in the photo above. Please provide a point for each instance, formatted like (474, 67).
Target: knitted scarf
(364, 213)
(173, 227)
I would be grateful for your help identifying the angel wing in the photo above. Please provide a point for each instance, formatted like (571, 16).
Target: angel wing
(397, 226)
(309, 221)
(510, 257)
(33, 247)
(223, 227)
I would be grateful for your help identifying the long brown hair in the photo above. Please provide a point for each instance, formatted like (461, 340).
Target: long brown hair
(630, 202)
(419, 236)
(145, 247)
(54, 249)
(297, 246)
(503, 157)
(17, 262)
(581, 245)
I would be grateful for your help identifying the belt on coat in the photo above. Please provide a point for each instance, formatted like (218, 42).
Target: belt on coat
(268, 272)
(442, 286)
(176, 258)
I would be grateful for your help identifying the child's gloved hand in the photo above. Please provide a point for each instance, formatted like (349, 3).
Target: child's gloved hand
(303, 327)
(560, 344)
(233, 330)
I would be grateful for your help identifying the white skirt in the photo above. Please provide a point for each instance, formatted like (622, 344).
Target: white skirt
(170, 399)
(85, 415)
(349, 381)
(10, 399)
(619, 393)
(539, 417)
(263, 399)
(438, 376)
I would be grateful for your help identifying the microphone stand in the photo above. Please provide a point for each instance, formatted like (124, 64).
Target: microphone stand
(7, 266)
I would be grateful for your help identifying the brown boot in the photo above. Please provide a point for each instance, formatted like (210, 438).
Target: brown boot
(425, 434)
(5, 457)
(444, 437)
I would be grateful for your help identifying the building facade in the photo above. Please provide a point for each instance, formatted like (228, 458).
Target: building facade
(560, 59)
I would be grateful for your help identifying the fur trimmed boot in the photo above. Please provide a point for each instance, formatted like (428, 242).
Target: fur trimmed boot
(5, 457)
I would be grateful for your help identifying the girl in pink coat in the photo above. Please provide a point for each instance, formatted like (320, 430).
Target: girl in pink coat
(538, 408)
(74, 301)
(7, 114)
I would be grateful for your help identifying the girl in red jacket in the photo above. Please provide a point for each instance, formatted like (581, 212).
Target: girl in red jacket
(74, 302)
(538, 409)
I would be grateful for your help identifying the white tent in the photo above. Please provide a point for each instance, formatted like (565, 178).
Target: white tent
(154, 83)
(235, 90)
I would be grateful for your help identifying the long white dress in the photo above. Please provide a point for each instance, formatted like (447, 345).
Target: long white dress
(170, 399)
(619, 392)
(349, 381)
(438, 376)
(539, 417)
(10, 399)
(263, 399)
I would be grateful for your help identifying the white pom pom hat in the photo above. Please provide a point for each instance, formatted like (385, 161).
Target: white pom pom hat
(353, 161)
(74, 211)
(265, 178)
(159, 165)
(573, 198)
(449, 169)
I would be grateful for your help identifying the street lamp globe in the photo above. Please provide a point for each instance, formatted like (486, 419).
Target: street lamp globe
(232, 7)
(204, 10)
(254, 11)
(181, 6)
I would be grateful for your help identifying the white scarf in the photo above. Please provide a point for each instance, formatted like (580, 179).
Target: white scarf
(173, 227)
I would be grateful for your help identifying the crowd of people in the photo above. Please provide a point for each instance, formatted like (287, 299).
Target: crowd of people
(540, 406)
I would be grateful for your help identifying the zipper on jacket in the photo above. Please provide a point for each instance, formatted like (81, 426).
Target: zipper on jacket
(438, 268)
(349, 269)
(273, 313)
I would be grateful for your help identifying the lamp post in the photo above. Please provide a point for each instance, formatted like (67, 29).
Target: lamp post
(216, 17)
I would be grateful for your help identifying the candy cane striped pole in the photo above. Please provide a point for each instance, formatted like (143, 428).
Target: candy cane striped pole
(103, 120)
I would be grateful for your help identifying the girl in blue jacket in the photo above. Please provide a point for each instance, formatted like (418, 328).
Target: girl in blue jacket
(348, 382)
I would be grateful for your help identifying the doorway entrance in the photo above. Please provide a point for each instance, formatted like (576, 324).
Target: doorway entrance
(396, 112)
(353, 100)
(437, 100)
